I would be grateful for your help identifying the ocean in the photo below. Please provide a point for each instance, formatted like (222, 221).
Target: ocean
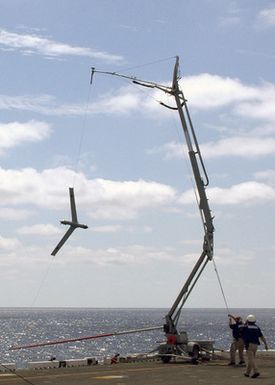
(30, 325)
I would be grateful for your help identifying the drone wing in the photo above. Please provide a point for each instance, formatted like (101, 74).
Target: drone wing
(73, 208)
(63, 240)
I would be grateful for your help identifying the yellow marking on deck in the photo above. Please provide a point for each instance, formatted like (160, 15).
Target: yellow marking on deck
(7, 375)
(109, 377)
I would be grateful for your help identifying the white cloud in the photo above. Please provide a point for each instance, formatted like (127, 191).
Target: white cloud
(203, 91)
(267, 176)
(38, 103)
(192, 242)
(124, 200)
(111, 200)
(119, 228)
(226, 256)
(12, 214)
(8, 244)
(34, 44)
(206, 91)
(244, 193)
(267, 16)
(125, 255)
(101, 198)
(131, 254)
(15, 133)
(139, 254)
(106, 229)
(240, 146)
(260, 108)
(170, 150)
(122, 102)
(147, 229)
(39, 229)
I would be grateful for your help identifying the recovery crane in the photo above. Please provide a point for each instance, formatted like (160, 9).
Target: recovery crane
(177, 342)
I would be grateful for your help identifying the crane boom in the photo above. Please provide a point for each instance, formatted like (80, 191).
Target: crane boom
(197, 168)
(178, 342)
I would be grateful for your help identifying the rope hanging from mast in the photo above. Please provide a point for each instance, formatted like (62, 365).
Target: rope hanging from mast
(221, 287)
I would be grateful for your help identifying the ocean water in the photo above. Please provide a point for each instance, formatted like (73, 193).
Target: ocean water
(30, 325)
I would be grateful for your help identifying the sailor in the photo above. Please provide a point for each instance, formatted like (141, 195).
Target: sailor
(252, 335)
(236, 324)
(115, 358)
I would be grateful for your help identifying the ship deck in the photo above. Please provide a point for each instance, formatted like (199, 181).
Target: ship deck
(215, 372)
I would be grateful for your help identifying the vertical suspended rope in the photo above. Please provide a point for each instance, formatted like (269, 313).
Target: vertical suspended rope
(213, 260)
(220, 283)
(201, 215)
(75, 168)
(42, 282)
(78, 155)
(198, 204)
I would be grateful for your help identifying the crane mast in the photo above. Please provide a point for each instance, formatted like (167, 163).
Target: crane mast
(177, 342)
(198, 169)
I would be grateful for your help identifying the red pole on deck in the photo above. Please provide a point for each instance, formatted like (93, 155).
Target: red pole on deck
(66, 340)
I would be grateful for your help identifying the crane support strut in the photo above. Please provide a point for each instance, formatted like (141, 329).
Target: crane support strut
(178, 342)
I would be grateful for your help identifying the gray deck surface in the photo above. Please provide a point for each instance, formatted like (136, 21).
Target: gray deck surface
(149, 373)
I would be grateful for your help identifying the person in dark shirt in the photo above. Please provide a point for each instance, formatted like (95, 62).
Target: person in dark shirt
(236, 325)
(252, 335)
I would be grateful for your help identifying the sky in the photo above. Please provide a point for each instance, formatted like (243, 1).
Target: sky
(125, 154)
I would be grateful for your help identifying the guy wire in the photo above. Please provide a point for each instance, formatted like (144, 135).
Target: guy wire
(74, 177)
(17, 375)
(42, 282)
(139, 66)
(213, 260)
(77, 160)
(221, 287)
(197, 200)
(149, 63)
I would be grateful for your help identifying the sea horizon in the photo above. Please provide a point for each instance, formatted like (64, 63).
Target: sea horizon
(23, 325)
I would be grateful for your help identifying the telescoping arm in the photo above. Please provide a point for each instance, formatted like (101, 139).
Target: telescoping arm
(197, 168)
(201, 182)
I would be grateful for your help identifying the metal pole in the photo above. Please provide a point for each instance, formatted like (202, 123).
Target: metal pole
(66, 340)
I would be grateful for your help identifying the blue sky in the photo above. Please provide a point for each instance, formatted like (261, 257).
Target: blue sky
(125, 156)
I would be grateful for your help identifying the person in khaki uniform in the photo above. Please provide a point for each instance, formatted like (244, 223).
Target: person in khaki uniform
(252, 335)
(236, 325)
